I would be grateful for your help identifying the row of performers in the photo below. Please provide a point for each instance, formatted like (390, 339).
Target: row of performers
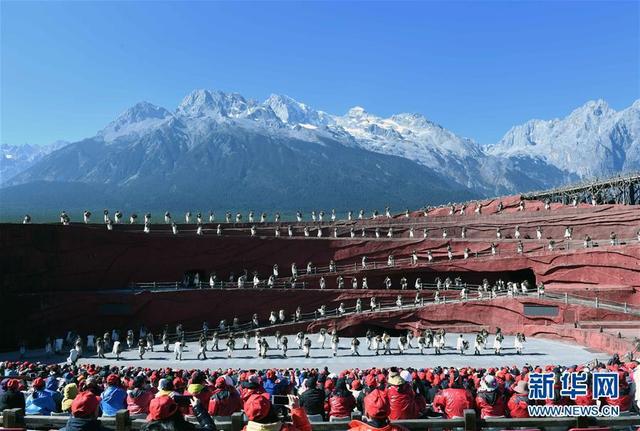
(378, 343)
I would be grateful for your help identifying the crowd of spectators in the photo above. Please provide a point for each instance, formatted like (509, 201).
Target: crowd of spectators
(87, 392)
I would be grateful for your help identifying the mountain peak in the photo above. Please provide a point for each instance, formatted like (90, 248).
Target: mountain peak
(142, 111)
(412, 119)
(214, 103)
(287, 109)
(283, 98)
(594, 107)
(357, 112)
(141, 116)
(292, 112)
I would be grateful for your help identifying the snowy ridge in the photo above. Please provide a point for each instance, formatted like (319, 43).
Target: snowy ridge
(593, 140)
(17, 158)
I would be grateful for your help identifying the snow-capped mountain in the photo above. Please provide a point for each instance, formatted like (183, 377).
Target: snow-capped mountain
(222, 146)
(292, 112)
(17, 158)
(222, 149)
(594, 140)
(414, 137)
(136, 121)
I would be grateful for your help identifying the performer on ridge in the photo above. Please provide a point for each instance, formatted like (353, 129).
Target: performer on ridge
(478, 344)
(355, 344)
(334, 343)
(497, 343)
(307, 347)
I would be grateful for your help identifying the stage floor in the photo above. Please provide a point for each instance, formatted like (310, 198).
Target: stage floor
(537, 351)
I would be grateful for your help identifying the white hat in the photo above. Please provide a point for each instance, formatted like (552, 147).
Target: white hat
(406, 376)
(489, 383)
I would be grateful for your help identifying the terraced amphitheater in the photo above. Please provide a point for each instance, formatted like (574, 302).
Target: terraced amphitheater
(569, 271)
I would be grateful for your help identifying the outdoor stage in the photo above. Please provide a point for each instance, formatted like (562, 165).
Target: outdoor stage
(537, 351)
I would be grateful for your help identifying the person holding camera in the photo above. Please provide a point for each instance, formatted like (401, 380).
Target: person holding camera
(165, 415)
(263, 416)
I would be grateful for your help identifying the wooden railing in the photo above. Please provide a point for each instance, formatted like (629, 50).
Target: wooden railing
(15, 419)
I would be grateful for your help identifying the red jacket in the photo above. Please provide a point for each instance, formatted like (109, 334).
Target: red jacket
(361, 426)
(402, 400)
(341, 406)
(517, 406)
(557, 399)
(623, 401)
(585, 400)
(453, 402)
(224, 402)
(299, 422)
(139, 404)
(491, 404)
(201, 392)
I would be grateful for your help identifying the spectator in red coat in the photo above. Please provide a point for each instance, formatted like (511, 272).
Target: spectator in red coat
(376, 414)
(139, 396)
(225, 399)
(341, 401)
(625, 397)
(198, 388)
(586, 399)
(519, 401)
(558, 400)
(490, 400)
(262, 417)
(401, 397)
(454, 400)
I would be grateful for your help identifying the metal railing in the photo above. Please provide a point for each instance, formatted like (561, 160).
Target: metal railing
(178, 285)
(452, 296)
(398, 263)
(621, 179)
(15, 419)
(402, 226)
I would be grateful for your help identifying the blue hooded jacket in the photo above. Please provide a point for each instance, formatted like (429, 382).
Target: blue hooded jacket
(51, 387)
(40, 403)
(276, 386)
(113, 399)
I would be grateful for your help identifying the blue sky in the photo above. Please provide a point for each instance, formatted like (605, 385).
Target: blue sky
(477, 68)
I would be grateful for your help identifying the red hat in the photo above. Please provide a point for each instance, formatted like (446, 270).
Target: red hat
(329, 384)
(271, 374)
(356, 385)
(13, 384)
(85, 405)
(257, 406)
(376, 405)
(178, 383)
(220, 383)
(161, 408)
(370, 381)
(113, 380)
(38, 383)
(508, 377)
